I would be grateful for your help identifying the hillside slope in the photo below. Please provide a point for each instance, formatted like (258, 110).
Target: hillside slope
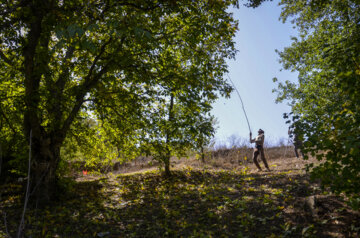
(195, 202)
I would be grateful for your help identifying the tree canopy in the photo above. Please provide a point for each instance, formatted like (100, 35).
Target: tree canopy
(112, 77)
(325, 100)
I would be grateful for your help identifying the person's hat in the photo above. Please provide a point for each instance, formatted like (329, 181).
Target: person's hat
(261, 131)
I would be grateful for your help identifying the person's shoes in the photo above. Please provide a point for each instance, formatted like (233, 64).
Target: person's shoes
(267, 169)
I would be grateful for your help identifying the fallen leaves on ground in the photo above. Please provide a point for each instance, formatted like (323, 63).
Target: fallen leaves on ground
(191, 203)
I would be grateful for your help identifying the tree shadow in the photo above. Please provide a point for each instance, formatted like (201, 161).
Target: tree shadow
(193, 204)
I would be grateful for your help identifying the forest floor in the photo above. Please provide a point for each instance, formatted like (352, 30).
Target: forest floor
(197, 201)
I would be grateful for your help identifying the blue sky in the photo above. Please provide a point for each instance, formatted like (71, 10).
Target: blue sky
(256, 64)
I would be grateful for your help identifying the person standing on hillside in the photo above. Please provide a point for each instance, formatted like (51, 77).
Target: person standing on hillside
(259, 149)
(297, 141)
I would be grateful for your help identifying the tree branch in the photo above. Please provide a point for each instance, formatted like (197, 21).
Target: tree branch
(6, 227)
(149, 8)
(58, 89)
(8, 121)
(27, 194)
(60, 82)
(32, 80)
(6, 59)
(84, 88)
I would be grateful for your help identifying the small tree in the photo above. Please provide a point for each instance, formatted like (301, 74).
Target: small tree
(176, 128)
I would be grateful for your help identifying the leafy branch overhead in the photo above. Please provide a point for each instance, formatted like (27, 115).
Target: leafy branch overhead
(98, 73)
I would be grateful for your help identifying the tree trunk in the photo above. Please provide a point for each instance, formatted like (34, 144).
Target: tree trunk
(45, 160)
(167, 166)
(202, 155)
(168, 138)
(0, 160)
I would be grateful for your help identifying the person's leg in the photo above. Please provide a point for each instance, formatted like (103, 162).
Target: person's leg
(255, 155)
(302, 153)
(298, 145)
(264, 159)
(296, 151)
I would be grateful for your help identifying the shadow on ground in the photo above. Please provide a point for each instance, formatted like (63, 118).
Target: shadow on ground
(192, 203)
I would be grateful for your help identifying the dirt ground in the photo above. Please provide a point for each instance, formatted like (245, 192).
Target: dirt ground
(309, 211)
(224, 197)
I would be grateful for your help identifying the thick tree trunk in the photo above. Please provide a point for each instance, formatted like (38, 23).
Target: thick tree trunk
(45, 160)
(39, 106)
(1, 160)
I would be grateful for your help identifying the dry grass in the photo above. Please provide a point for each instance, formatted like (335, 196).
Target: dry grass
(222, 158)
(228, 159)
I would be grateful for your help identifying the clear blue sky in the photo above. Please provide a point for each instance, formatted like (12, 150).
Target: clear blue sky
(257, 63)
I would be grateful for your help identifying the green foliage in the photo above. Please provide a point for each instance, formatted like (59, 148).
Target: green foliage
(13, 148)
(325, 101)
(178, 125)
(92, 79)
